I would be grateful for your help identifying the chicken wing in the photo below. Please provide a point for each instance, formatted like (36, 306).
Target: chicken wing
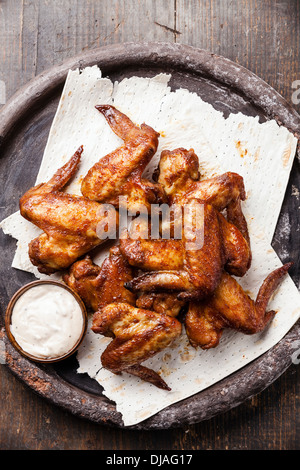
(237, 251)
(120, 172)
(193, 273)
(198, 257)
(231, 307)
(137, 335)
(69, 222)
(161, 302)
(224, 244)
(99, 286)
(178, 173)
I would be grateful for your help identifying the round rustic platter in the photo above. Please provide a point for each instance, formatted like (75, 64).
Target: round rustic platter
(24, 126)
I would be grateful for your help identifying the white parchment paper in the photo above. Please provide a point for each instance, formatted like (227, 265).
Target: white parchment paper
(262, 153)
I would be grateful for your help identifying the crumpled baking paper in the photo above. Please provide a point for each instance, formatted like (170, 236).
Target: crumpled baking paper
(262, 153)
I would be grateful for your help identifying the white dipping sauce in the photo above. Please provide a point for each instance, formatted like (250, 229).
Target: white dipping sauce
(46, 321)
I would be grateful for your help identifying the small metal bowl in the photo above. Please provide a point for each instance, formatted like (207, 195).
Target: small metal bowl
(9, 312)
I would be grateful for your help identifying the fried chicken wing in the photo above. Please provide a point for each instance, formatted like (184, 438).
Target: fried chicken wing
(161, 302)
(99, 286)
(237, 252)
(120, 172)
(198, 257)
(193, 273)
(69, 222)
(178, 173)
(153, 255)
(231, 307)
(137, 335)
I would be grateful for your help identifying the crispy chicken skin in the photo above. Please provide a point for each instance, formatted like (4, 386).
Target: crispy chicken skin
(198, 258)
(99, 286)
(153, 255)
(179, 175)
(193, 273)
(69, 222)
(231, 307)
(161, 302)
(237, 252)
(137, 335)
(120, 172)
(168, 254)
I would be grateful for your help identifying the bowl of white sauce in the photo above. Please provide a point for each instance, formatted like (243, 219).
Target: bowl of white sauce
(46, 321)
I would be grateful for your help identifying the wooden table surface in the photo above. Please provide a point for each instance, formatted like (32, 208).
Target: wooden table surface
(262, 35)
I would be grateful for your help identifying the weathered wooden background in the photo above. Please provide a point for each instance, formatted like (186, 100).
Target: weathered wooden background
(262, 35)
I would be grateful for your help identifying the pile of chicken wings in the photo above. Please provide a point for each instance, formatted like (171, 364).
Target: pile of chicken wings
(150, 290)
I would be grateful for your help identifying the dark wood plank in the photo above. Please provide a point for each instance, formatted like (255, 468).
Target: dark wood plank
(262, 35)
(38, 34)
(268, 421)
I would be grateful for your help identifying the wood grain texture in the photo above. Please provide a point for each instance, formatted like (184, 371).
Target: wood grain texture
(261, 35)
